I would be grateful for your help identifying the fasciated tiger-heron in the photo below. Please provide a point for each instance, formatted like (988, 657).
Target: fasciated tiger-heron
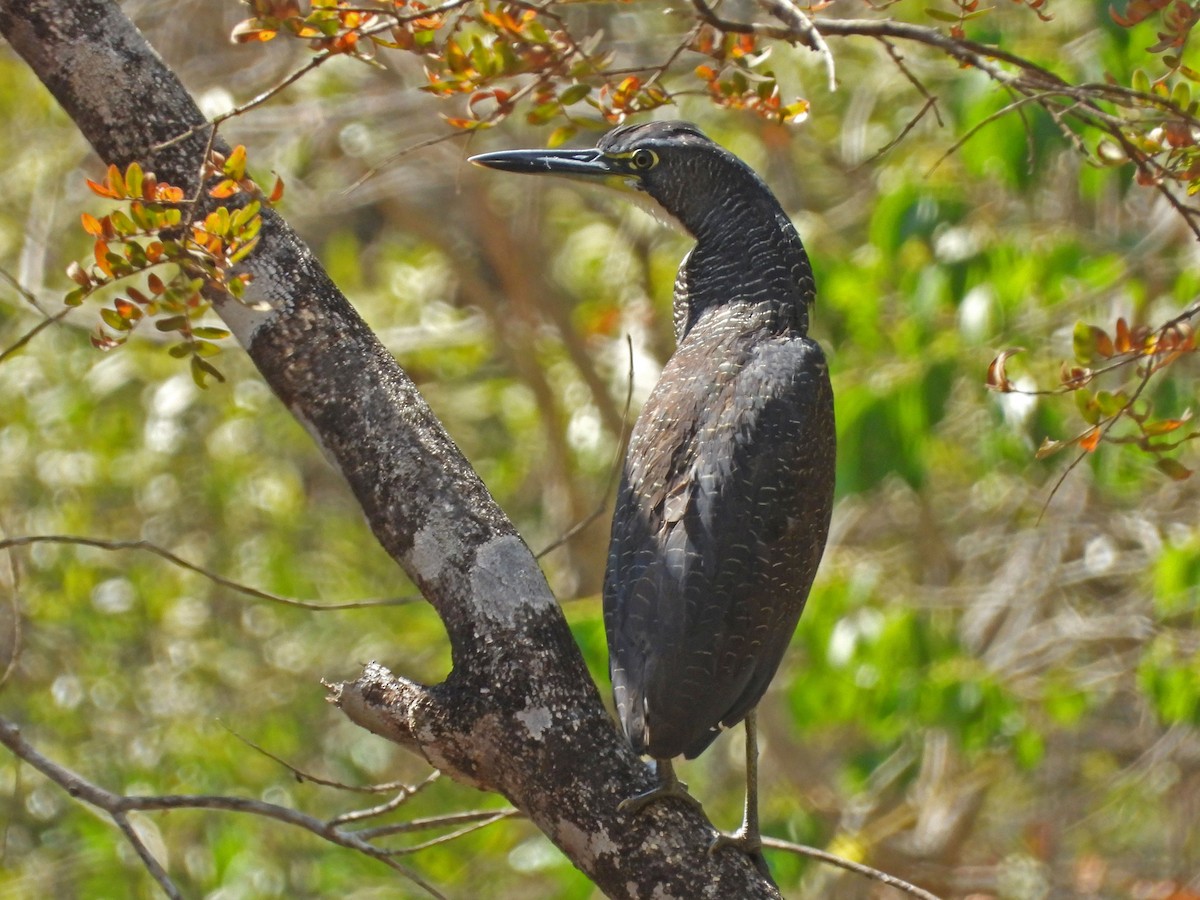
(725, 498)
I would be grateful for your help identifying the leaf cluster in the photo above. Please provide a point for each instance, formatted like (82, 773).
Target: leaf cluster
(151, 238)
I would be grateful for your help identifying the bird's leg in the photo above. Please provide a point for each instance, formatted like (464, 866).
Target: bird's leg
(668, 787)
(748, 838)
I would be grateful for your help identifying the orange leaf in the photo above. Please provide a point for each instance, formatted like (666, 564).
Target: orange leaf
(277, 191)
(226, 188)
(1124, 341)
(1090, 439)
(91, 225)
(116, 181)
(103, 190)
(100, 251)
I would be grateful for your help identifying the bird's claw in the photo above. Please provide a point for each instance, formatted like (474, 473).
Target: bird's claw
(747, 842)
(672, 790)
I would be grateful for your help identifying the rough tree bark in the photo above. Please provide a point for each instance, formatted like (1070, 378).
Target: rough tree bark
(518, 714)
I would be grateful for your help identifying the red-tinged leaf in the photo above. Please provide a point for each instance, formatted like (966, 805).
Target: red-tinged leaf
(149, 185)
(100, 251)
(91, 224)
(226, 188)
(1090, 440)
(168, 193)
(1102, 342)
(249, 30)
(1075, 377)
(1165, 426)
(77, 274)
(154, 251)
(127, 310)
(1049, 448)
(276, 191)
(136, 296)
(102, 190)
(155, 284)
(102, 341)
(1124, 338)
(1173, 468)
(997, 378)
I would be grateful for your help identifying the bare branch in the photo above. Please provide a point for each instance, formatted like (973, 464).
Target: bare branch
(858, 868)
(157, 872)
(117, 805)
(174, 559)
(795, 18)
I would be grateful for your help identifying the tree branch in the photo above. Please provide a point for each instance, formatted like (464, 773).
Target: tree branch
(518, 713)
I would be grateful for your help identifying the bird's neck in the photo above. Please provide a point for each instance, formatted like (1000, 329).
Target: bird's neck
(754, 271)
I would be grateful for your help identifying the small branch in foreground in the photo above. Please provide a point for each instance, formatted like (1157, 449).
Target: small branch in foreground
(858, 868)
(119, 805)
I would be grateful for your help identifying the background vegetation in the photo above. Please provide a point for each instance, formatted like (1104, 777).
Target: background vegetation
(994, 691)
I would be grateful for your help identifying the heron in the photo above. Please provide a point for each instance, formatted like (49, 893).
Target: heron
(726, 493)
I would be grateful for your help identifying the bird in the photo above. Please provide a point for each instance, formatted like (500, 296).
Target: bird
(727, 487)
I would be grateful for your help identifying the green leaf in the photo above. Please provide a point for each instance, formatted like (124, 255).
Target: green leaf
(171, 323)
(1083, 344)
(941, 15)
(242, 217)
(113, 320)
(574, 94)
(202, 369)
(1173, 468)
(133, 179)
(561, 135)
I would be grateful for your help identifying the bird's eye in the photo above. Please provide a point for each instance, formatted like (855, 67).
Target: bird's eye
(643, 159)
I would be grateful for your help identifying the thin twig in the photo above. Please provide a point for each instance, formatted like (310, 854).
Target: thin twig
(15, 610)
(898, 59)
(153, 866)
(148, 547)
(34, 332)
(430, 822)
(25, 293)
(849, 866)
(405, 789)
(458, 833)
(930, 103)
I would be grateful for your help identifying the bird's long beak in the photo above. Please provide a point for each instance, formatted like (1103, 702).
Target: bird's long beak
(587, 164)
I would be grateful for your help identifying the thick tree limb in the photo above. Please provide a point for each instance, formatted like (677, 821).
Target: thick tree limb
(518, 714)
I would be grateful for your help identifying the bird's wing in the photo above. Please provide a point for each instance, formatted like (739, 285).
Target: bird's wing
(717, 535)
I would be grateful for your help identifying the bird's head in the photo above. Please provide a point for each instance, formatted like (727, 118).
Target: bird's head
(688, 176)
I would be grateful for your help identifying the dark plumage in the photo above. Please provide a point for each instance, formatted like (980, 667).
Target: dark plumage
(727, 488)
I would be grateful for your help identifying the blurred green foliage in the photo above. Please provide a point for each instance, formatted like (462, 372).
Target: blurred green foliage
(994, 691)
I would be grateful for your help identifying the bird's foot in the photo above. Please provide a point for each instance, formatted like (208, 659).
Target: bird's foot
(673, 789)
(747, 841)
